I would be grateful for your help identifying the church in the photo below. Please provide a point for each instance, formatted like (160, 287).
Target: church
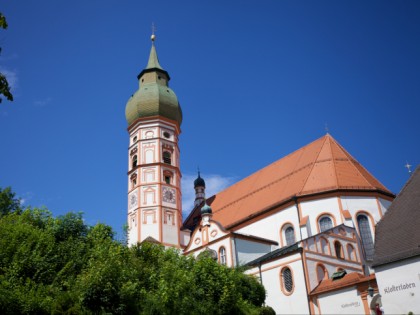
(303, 225)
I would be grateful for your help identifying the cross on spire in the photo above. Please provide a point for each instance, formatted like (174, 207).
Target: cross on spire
(326, 128)
(408, 167)
(153, 32)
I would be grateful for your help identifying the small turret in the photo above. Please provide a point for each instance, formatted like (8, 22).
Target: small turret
(200, 190)
(206, 214)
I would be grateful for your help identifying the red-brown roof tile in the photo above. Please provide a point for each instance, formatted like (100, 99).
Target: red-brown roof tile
(321, 166)
(348, 280)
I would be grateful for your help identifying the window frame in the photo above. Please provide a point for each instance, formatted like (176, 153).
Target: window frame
(222, 256)
(283, 236)
(323, 217)
(282, 281)
(370, 242)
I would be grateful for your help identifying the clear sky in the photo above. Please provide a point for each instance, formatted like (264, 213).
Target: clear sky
(256, 80)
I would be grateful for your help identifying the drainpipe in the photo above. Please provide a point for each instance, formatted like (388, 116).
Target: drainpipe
(236, 252)
(259, 267)
(304, 276)
(297, 209)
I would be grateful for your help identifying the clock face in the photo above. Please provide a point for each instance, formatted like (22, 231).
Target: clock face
(168, 195)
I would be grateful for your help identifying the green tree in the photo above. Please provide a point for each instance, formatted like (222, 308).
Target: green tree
(59, 265)
(4, 84)
(8, 202)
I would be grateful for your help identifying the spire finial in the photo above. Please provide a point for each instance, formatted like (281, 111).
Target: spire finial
(198, 171)
(408, 166)
(153, 32)
(326, 128)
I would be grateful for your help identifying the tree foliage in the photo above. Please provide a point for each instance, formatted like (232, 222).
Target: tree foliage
(4, 84)
(59, 265)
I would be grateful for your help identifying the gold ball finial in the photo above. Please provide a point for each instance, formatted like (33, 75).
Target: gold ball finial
(153, 37)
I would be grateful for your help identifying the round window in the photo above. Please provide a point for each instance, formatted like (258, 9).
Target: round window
(166, 134)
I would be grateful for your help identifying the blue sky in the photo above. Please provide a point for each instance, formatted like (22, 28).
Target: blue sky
(256, 80)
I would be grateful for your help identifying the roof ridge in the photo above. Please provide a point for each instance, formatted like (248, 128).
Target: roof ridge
(313, 165)
(353, 162)
(274, 181)
(333, 161)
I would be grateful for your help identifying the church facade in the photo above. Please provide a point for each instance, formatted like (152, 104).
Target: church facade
(304, 225)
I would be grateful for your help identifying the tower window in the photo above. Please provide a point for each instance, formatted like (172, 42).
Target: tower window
(134, 161)
(166, 134)
(134, 139)
(167, 157)
(167, 179)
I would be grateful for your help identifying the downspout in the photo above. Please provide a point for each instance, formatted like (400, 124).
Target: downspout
(301, 254)
(259, 268)
(297, 209)
(305, 275)
(236, 252)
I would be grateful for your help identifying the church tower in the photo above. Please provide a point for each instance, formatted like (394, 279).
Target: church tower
(154, 178)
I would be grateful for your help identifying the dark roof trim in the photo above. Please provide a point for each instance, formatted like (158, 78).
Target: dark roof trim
(396, 257)
(153, 70)
(274, 254)
(256, 238)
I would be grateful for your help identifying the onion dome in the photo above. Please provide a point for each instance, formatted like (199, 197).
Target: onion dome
(199, 181)
(154, 97)
(206, 209)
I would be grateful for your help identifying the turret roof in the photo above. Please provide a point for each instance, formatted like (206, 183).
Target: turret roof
(154, 97)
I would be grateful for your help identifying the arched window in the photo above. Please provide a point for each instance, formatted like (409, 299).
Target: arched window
(134, 161)
(325, 223)
(338, 250)
(351, 253)
(321, 272)
(325, 246)
(366, 235)
(167, 176)
(289, 234)
(167, 157)
(222, 255)
(287, 280)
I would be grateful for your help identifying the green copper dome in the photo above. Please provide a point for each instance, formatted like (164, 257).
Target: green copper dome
(206, 209)
(154, 97)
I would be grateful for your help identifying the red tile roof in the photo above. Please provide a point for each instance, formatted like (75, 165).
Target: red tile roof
(348, 280)
(321, 166)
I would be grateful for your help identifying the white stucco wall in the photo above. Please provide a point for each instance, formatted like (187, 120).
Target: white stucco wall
(399, 286)
(314, 208)
(269, 227)
(295, 303)
(356, 204)
(346, 301)
(384, 204)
